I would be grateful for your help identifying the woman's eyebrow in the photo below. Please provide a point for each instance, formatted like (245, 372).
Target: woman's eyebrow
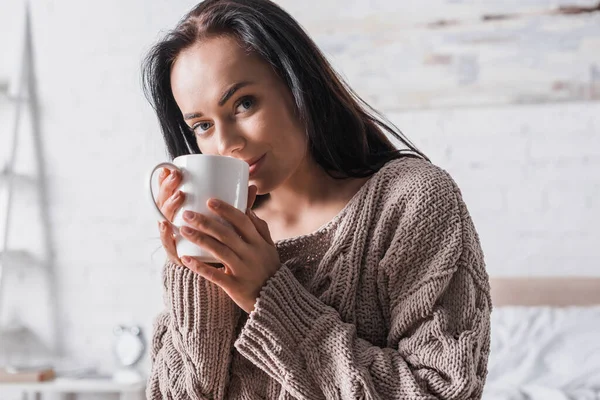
(230, 91)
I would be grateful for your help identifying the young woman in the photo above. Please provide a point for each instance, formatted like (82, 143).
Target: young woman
(355, 273)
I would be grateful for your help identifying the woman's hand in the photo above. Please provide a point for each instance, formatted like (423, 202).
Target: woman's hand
(169, 200)
(246, 250)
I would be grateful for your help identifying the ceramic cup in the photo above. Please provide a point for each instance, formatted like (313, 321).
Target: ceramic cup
(204, 177)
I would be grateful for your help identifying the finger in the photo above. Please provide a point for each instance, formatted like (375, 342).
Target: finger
(216, 229)
(238, 219)
(212, 274)
(164, 172)
(261, 226)
(217, 249)
(172, 204)
(252, 192)
(168, 241)
(168, 186)
(164, 175)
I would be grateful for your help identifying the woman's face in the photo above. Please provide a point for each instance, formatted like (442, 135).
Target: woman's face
(237, 106)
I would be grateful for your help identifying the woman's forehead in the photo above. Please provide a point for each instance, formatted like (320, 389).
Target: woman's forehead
(216, 62)
(203, 72)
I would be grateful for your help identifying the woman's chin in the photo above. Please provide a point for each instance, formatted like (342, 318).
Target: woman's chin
(262, 186)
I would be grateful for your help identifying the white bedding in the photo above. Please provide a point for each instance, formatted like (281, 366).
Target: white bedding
(543, 353)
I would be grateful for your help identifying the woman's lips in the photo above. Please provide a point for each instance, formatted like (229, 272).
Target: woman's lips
(256, 165)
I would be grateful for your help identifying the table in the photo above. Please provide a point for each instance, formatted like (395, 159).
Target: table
(69, 387)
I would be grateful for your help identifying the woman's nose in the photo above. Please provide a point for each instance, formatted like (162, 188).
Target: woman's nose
(229, 141)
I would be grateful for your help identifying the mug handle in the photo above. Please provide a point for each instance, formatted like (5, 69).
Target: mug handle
(159, 213)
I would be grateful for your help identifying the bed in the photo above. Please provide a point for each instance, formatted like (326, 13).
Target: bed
(545, 339)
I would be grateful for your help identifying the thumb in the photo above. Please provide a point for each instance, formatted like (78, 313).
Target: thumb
(261, 226)
(252, 191)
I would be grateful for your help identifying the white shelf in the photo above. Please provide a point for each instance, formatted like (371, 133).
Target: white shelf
(5, 174)
(19, 258)
(68, 385)
(5, 90)
(7, 94)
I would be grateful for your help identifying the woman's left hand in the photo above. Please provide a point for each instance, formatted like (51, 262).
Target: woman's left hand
(246, 250)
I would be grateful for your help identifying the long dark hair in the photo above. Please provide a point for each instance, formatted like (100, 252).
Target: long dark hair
(345, 135)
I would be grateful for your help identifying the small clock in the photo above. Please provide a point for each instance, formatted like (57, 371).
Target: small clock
(129, 345)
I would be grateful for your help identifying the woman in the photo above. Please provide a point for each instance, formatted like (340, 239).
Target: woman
(357, 273)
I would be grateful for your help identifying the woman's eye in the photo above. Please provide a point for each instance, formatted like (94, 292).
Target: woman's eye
(244, 104)
(202, 126)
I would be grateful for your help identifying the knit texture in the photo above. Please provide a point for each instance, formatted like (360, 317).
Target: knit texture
(389, 300)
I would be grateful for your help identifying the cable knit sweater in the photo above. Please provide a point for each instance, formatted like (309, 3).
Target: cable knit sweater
(389, 300)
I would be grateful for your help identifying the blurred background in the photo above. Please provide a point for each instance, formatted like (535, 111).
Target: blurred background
(504, 95)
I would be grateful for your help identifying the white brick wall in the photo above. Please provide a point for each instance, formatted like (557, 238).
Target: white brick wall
(530, 174)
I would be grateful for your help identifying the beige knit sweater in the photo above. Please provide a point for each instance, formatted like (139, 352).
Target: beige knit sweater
(389, 300)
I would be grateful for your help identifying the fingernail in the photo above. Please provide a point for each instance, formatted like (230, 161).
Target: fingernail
(163, 226)
(186, 259)
(188, 215)
(173, 175)
(187, 230)
(214, 203)
(163, 173)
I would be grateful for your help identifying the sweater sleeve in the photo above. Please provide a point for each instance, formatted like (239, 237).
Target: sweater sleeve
(433, 284)
(192, 340)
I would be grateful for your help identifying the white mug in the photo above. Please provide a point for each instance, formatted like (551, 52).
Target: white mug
(204, 177)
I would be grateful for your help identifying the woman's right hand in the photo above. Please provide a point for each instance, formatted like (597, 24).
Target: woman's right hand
(169, 200)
